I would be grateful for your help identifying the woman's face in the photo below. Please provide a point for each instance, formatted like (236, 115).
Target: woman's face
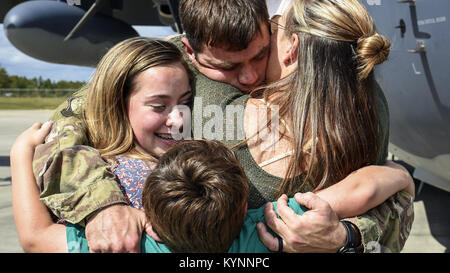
(280, 45)
(154, 106)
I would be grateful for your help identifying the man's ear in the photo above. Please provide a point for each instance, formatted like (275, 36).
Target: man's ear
(187, 47)
(292, 51)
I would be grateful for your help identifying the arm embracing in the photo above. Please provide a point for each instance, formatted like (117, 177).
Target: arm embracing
(367, 188)
(386, 227)
(35, 228)
(73, 179)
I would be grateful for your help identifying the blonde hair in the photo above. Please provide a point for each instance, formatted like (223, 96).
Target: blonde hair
(106, 118)
(329, 98)
(343, 20)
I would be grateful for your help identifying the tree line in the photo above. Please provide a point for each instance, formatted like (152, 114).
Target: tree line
(14, 81)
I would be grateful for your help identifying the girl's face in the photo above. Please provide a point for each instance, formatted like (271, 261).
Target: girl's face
(154, 108)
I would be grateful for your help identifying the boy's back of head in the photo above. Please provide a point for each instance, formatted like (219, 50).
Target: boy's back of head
(196, 198)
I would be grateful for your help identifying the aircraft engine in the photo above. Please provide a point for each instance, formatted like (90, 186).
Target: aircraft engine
(39, 29)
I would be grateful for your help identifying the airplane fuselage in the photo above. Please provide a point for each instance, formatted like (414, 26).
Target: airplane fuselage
(416, 82)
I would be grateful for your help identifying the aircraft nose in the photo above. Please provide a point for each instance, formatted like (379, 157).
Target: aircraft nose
(38, 29)
(23, 16)
(11, 20)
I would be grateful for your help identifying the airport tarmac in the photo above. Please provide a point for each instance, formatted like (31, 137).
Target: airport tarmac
(430, 232)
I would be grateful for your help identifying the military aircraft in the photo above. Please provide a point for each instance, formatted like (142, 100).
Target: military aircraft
(415, 80)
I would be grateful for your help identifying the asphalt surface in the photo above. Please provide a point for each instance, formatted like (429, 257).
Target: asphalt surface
(12, 123)
(430, 232)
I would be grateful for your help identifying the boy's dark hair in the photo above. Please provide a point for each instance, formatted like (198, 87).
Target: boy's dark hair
(196, 197)
(230, 24)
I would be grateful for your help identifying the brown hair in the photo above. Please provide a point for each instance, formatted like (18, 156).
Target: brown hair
(224, 23)
(196, 197)
(106, 118)
(329, 99)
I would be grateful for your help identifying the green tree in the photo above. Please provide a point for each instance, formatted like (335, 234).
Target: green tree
(14, 81)
(47, 84)
(4, 78)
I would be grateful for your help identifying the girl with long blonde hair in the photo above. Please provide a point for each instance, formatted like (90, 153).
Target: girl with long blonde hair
(122, 72)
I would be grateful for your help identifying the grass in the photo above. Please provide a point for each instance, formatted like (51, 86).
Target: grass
(29, 103)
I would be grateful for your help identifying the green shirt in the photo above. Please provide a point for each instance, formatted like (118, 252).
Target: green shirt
(247, 242)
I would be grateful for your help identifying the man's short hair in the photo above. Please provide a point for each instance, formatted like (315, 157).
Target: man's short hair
(196, 197)
(231, 24)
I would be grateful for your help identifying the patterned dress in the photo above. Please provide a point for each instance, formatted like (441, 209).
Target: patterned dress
(131, 175)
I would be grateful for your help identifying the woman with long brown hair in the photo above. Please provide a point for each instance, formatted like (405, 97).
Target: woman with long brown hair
(328, 96)
(333, 116)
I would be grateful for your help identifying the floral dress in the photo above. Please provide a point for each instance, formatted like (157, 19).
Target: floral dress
(131, 175)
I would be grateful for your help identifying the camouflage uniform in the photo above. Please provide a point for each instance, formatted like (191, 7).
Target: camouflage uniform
(76, 182)
(384, 229)
(73, 178)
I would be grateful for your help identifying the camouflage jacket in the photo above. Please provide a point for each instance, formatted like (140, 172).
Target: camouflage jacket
(76, 182)
(73, 178)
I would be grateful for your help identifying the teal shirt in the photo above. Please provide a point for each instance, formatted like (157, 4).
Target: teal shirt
(247, 242)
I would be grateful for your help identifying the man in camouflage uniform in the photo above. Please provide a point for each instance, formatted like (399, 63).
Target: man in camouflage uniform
(78, 186)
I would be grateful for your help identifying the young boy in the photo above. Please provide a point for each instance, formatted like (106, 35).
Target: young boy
(195, 199)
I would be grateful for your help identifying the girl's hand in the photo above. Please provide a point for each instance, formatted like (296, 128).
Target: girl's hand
(30, 138)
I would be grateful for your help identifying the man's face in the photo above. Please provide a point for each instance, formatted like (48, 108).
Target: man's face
(243, 69)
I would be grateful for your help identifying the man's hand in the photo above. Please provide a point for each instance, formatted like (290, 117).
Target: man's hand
(317, 230)
(117, 228)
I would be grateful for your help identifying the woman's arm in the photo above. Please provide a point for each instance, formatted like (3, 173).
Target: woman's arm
(367, 188)
(36, 230)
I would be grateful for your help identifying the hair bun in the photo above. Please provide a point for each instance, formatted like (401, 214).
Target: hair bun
(372, 50)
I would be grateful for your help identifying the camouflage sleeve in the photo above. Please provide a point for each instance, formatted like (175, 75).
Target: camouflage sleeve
(385, 228)
(74, 179)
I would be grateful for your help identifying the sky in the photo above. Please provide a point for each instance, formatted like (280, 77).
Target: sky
(17, 63)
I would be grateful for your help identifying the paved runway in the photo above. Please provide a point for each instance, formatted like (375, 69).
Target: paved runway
(430, 232)
(12, 123)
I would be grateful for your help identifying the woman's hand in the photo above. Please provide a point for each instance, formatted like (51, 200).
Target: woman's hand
(317, 230)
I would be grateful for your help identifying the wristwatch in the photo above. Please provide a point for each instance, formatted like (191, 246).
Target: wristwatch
(353, 240)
